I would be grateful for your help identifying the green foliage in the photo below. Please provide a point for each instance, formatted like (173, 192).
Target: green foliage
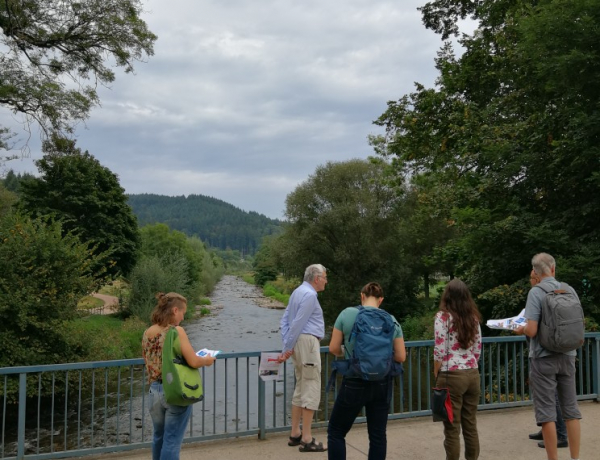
(285, 285)
(204, 268)
(218, 224)
(248, 278)
(204, 301)
(50, 50)
(503, 301)
(270, 290)
(153, 274)
(44, 273)
(87, 198)
(505, 148)
(233, 260)
(7, 200)
(104, 338)
(347, 219)
(418, 327)
(265, 263)
(12, 181)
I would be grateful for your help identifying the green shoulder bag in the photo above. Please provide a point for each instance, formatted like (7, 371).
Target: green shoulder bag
(182, 384)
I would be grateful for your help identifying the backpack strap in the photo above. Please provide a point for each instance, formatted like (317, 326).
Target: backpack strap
(353, 331)
(545, 290)
(563, 287)
(334, 368)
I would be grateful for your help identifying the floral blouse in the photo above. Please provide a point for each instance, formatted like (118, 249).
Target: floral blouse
(456, 358)
(152, 348)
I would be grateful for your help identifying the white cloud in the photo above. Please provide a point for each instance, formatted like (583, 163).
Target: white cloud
(243, 99)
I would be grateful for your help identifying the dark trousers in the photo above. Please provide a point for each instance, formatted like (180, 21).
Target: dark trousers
(355, 394)
(561, 428)
(464, 386)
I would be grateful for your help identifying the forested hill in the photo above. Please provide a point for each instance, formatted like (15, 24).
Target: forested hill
(215, 222)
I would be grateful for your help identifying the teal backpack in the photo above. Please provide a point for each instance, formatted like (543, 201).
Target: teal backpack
(182, 384)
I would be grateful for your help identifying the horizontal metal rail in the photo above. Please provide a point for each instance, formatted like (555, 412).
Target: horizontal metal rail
(77, 409)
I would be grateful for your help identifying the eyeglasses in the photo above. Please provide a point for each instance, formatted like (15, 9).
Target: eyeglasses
(323, 276)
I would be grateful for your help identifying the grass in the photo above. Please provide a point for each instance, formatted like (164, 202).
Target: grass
(105, 337)
(248, 278)
(271, 291)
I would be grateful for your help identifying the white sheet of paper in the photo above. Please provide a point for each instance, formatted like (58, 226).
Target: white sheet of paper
(269, 366)
(508, 324)
(206, 352)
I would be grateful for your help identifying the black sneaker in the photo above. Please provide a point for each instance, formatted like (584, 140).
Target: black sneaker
(561, 443)
(537, 436)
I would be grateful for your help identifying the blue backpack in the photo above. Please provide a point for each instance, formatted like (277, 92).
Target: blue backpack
(373, 354)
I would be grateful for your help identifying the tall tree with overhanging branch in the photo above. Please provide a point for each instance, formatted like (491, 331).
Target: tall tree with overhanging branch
(54, 53)
(512, 127)
(87, 198)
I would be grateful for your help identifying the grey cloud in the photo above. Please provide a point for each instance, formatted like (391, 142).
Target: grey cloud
(243, 99)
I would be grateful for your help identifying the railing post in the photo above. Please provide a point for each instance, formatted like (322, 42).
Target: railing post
(262, 410)
(596, 367)
(22, 412)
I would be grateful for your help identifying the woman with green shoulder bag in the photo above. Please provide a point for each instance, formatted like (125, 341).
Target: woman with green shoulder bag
(169, 420)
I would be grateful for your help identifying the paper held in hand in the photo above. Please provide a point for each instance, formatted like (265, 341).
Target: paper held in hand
(269, 367)
(206, 352)
(508, 324)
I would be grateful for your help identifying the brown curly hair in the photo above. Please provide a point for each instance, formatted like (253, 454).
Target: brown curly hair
(163, 312)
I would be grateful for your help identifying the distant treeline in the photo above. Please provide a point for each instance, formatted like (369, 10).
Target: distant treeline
(217, 223)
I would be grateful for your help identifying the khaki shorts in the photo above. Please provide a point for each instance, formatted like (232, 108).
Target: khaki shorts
(307, 367)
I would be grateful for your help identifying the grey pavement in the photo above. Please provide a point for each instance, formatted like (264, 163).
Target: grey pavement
(503, 435)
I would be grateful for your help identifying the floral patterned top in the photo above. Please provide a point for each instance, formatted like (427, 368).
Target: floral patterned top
(152, 348)
(456, 358)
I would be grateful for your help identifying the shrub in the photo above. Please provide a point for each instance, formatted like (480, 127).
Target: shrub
(152, 275)
(43, 275)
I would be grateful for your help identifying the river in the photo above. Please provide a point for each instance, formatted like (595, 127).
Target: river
(238, 324)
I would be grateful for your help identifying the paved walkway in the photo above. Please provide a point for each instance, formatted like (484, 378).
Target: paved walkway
(503, 435)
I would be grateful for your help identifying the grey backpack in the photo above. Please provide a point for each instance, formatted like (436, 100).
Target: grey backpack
(561, 328)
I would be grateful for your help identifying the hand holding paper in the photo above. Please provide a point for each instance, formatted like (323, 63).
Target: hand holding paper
(508, 324)
(206, 352)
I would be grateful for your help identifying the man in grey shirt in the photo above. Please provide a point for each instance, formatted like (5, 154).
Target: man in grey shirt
(550, 371)
(302, 328)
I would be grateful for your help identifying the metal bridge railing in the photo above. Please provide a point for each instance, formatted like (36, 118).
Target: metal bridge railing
(67, 410)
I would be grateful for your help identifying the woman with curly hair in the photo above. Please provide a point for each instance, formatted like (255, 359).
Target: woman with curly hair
(169, 421)
(456, 352)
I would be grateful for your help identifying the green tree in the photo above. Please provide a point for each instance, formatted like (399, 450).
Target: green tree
(74, 187)
(511, 131)
(203, 269)
(345, 218)
(54, 54)
(159, 240)
(265, 263)
(152, 274)
(7, 200)
(45, 271)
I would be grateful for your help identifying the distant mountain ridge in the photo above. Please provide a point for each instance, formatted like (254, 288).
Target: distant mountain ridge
(215, 222)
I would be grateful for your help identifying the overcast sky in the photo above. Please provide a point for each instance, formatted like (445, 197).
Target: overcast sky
(243, 99)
